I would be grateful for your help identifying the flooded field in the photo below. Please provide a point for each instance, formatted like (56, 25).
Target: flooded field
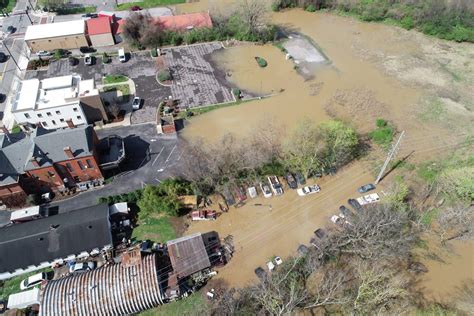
(422, 85)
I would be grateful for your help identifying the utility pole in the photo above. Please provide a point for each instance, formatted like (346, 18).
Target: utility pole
(26, 12)
(391, 154)
(10, 53)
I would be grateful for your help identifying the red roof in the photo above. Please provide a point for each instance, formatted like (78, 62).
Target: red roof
(99, 25)
(185, 21)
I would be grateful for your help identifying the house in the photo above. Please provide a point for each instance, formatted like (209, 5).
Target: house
(123, 288)
(24, 299)
(58, 102)
(65, 35)
(41, 160)
(99, 31)
(37, 244)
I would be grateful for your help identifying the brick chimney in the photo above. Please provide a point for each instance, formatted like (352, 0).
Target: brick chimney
(34, 162)
(68, 152)
(70, 124)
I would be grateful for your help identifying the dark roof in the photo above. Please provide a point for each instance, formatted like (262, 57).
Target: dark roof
(188, 255)
(109, 290)
(54, 237)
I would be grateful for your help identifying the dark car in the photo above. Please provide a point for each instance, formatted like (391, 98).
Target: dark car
(290, 179)
(320, 233)
(229, 198)
(73, 61)
(355, 205)
(90, 15)
(135, 8)
(260, 273)
(345, 211)
(3, 57)
(86, 49)
(300, 178)
(11, 29)
(302, 250)
(366, 188)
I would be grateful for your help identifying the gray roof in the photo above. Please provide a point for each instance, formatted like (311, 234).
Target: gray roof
(109, 290)
(54, 237)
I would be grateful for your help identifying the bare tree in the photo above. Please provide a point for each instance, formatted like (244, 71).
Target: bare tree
(254, 15)
(456, 222)
(135, 26)
(114, 109)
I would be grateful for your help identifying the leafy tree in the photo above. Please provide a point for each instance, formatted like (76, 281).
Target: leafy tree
(458, 182)
(341, 143)
(52, 4)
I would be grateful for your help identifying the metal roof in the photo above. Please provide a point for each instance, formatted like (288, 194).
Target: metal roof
(40, 31)
(109, 290)
(188, 255)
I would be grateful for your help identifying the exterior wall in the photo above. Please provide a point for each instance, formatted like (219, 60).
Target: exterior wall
(98, 40)
(93, 108)
(64, 42)
(54, 117)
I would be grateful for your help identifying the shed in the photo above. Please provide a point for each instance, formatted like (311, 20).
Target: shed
(99, 31)
(188, 255)
(65, 35)
(24, 299)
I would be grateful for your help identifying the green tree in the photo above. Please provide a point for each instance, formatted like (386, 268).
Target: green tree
(52, 4)
(341, 143)
(458, 182)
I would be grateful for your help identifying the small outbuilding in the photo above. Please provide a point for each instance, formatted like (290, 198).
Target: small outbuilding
(65, 35)
(100, 31)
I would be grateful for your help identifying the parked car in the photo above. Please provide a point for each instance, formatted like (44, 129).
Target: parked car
(204, 215)
(121, 55)
(240, 194)
(87, 49)
(270, 266)
(266, 191)
(252, 192)
(88, 59)
(302, 250)
(300, 178)
(337, 220)
(344, 210)
(33, 280)
(308, 190)
(260, 273)
(136, 103)
(135, 8)
(3, 57)
(11, 29)
(229, 198)
(90, 15)
(278, 261)
(275, 185)
(320, 233)
(290, 179)
(43, 53)
(82, 267)
(366, 188)
(368, 199)
(355, 205)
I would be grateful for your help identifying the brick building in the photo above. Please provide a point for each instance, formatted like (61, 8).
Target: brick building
(48, 160)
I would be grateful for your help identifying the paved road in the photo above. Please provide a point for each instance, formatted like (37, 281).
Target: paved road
(150, 159)
(163, 11)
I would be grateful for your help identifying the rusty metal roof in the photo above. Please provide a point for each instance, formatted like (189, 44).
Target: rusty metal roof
(188, 255)
(108, 290)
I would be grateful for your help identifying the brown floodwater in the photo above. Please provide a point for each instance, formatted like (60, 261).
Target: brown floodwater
(353, 87)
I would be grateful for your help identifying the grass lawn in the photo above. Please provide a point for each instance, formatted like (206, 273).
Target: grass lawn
(124, 88)
(114, 79)
(187, 306)
(157, 229)
(77, 10)
(12, 285)
(145, 4)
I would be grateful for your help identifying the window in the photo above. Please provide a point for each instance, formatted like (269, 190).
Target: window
(69, 167)
(58, 112)
(89, 163)
(44, 124)
(27, 115)
(79, 117)
(61, 120)
(48, 113)
(81, 165)
(39, 115)
(74, 109)
(54, 122)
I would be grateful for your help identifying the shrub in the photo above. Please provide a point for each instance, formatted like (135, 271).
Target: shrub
(382, 136)
(59, 53)
(236, 92)
(381, 122)
(153, 52)
(261, 62)
(311, 8)
(33, 199)
(164, 75)
(105, 58)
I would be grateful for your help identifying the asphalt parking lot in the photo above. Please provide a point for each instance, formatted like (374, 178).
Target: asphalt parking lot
(150, 159)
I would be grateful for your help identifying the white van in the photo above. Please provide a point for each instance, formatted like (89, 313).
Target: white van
(121, 55)
(33, 280)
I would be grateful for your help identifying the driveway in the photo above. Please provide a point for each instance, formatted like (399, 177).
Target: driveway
(150, 159)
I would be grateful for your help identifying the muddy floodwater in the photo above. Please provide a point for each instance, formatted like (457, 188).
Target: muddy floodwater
(374, 71)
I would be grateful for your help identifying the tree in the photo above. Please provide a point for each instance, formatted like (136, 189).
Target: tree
(114, 109)
(341, 143)
(151, 35)
(52, 4)
(455, 222)
(254, 15)
(458, 183)
(135, 26)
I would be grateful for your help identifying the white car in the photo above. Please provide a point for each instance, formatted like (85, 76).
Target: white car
(278, 261)
(121, 55)
(368, 199)
(82, 267)
(43, 53)
(252, 192)
(136, 103)
(267, 193)
(308, 190)
(33, 280)
(88, 59)
(270, 266)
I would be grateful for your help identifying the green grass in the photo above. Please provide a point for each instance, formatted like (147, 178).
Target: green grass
(187, 306)
(157, 229)
(428, 217)
(77, 10)
(124, 88)
(114, 79)
(382, 136)
(10, 5)
(430, 171)
(148, 4)
(12, 285)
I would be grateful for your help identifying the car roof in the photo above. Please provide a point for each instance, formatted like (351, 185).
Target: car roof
(36, 277)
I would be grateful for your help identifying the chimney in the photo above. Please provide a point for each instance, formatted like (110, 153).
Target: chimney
(34, 161)
(70, 124)
(68, 152)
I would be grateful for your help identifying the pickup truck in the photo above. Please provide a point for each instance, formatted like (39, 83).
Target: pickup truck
(368, 199)
(275, 185)
(267, 193)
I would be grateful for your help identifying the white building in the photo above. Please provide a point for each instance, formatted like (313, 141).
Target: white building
(52, 102)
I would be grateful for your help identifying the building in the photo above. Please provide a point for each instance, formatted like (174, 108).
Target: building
(188, 255)
(37, 244)
(58, 102)
(43, 160)
(99, 31)
(65, 35)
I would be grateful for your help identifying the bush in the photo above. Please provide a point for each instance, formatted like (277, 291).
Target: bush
(236, 92)
(311, 8)
(261, 62)
(59, 53)
(33, 199)
(153, 52)
(164, 75)
(105, 58)
(381, 122)
(382, 136)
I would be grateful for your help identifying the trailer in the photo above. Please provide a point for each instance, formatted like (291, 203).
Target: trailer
(28, 214)
(368, 199)
(204, 215)
(275, 185)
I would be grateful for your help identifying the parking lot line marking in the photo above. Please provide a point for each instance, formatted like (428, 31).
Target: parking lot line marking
(180, 155)
(167, 159)
(158, 156)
